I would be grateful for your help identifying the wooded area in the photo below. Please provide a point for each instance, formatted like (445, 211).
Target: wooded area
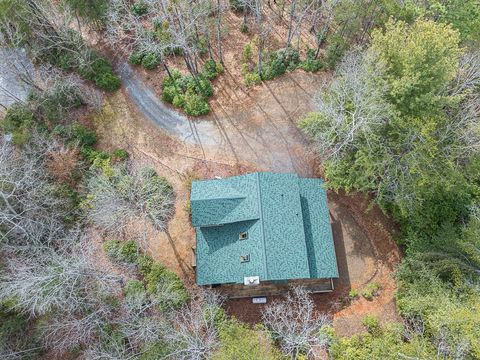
(397, 118)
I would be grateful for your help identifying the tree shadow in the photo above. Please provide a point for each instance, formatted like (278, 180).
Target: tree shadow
(186, 269)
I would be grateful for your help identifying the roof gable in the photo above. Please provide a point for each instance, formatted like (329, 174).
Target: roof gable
(224, 201)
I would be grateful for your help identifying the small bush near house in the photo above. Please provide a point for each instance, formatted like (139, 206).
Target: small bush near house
(353, 294)
(371, 290)
(371, 323)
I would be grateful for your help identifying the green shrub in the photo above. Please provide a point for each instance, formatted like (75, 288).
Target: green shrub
(371, 323)
(371, 290)
(169, 93)
(239, 342)
(252, 79)
(136, 57)
(311, 65)
(150, 61)
(122, 252)
(17, 122)
(353, 294)
(166, 286)
(135, 293)
(112, 249)
(133, 287)
(189, 93)
(145, 264)
(100, 72)
(76, 134)
(129, 251)
(247, 52)
(211, 69)
(108, 81)
(140, 8)
(179, 101)
(195, 105)
(120, 154)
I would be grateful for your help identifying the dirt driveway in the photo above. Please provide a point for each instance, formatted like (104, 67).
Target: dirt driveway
(251, 132)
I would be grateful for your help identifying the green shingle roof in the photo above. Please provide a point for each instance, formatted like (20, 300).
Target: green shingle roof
(287, 221)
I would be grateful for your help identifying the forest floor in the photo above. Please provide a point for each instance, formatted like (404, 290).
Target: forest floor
(248, 130)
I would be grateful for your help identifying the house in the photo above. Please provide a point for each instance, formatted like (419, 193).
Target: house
(262, 228)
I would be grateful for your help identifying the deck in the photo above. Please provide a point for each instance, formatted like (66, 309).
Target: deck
(269, 288)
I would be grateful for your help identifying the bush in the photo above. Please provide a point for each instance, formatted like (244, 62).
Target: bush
(140, 8)
(189, 93)
(108, 81)
(150, 61)
(239, 342)
(252, 79)
(120, 154)
(100, 72)
(195, 105)
(135, 293)
(136, 57)
(371, 290)
(166, 286)
(144, 263)
(353, 294)
(371, 323)
(211, 69)
(77, 134)
(121, 252)
(311, 65)
(17, 121)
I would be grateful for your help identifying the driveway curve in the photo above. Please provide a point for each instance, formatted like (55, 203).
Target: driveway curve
(260, 130)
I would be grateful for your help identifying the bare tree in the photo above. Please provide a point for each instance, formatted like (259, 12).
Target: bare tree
(193, 334)
(295, 324)
(31, 215)
(49, 281)
(40, 27)
(348, 107)
(123, 194)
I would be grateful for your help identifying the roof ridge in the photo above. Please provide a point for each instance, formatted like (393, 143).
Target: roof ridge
(260, 210)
